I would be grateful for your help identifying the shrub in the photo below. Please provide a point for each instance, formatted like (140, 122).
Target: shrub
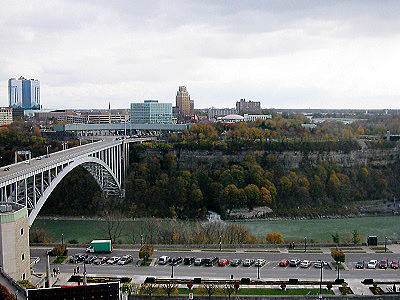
(74, 241)
(274, 238)
(26, 284)
(59, 250)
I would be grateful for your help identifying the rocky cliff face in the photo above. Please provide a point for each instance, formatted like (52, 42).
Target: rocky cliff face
(292, 159)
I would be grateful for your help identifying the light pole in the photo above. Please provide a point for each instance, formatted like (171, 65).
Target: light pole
(320, 281)
(385, 243)
(305, 244)
(141, 240)
(258, 272)
(47, 151)
(172, 271)
(62, 238)
(220, 243)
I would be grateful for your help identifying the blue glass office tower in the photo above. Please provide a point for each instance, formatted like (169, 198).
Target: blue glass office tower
(24, 93)
(151, 112)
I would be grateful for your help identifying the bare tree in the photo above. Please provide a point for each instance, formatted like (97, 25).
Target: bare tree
(113, 220)
(170, 288)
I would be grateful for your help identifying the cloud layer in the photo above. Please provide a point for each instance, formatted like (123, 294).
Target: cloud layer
(318, 54)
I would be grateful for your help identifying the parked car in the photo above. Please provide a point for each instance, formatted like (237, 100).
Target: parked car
(90, 259)
(360, 265)
(372, 264)
(100, 260)
(6, 169)
(77, 258)
(284, 263)
(223, 262)
(113, 260)
(248, 262)
(259, 262)
(305, 264)
(126, 259)
(320, 264)
(198, 261)
(175, 261)
(209, 262)
(188, 260)
(383, 264)
(294, 262)
(235, 262)
(394, 264)
(163, 260)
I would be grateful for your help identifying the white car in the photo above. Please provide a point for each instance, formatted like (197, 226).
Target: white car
(372, 264)
(305, 264)
(259, 262)
(163, 260)
(112, 260)
(198, 262)
(320, 264)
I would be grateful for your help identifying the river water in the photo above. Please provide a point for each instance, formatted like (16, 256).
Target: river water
(85, 230)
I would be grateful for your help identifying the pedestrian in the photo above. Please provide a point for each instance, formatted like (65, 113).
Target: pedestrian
(58, 271)
(74, 270)
(77, 269)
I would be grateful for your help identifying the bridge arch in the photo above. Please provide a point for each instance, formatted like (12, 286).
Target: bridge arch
(102, 173)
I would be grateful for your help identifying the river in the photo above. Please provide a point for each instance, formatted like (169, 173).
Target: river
(84, 230)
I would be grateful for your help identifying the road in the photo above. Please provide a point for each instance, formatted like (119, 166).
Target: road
(36, 164)
(269, 270)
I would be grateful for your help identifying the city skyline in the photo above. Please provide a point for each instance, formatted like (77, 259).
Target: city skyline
(285, 54)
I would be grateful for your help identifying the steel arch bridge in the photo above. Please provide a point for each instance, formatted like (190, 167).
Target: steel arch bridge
(31, 184)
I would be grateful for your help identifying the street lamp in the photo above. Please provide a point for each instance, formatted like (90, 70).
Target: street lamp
(172, 271)
(62, 238)
(258, 271)
(320, 281)
(305, 244)
(385, 243)
(220, 243)
(141, 239)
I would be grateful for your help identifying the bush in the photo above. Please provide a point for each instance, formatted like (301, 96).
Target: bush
(26, 284)
(73, 241)
(59, 250)
(274, 238)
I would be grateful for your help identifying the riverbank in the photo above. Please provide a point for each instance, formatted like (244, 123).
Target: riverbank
(321, 230)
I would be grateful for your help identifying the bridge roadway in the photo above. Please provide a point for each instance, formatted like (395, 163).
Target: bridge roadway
(37, 163)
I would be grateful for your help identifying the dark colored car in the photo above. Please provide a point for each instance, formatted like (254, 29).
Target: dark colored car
(176, 261)
(90, 259)
(360, 265)
(235, 262)
(294, 262)
(188, 260)
(394, 264)
(209, 262)
(383, 264)
(100, 260)
(284, 263)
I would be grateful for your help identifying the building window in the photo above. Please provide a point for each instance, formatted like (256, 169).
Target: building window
(22, 231)
(22, 256)
(23, 276)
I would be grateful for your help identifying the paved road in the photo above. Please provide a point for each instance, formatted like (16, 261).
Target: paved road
(35, 164)
(269, 270)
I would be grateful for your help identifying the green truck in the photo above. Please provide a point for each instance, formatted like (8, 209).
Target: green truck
(99, 246)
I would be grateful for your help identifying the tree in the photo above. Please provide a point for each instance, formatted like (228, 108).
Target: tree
(148, 289)
(253, 195)
(274, 238)
(229, 289)
(114, 223)
(339, 257)
(170, 289)
(209, 289)
(357, 237)
(146, 251)
(128, 288)
(336, 237)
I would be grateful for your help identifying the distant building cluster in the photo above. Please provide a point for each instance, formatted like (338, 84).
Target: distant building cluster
(6, 116)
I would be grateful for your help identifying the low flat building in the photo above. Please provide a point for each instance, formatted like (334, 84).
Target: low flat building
(213, 113)
(6, 115)
(253, 118)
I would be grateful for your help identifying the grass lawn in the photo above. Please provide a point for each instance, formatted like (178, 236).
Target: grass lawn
(263, 291)
(59, 260)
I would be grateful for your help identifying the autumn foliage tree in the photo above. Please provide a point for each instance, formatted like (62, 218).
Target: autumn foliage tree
(274, 238)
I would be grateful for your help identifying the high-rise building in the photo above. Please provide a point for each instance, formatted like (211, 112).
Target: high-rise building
(24, 93)
(248, 107)
(151, 112)
(183, 102)
(6, 116)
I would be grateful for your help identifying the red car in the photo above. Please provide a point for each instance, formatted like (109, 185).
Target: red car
(284, 263)
(6, 169)
(383, 264)
(394, 264)
(223, 262)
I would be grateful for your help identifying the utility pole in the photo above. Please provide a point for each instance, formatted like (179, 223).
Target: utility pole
(320, 281)
(305, 244)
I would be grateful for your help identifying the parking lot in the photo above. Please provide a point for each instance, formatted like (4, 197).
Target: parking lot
(270, 269)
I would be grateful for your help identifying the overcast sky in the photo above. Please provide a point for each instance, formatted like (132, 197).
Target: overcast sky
(286, 54)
